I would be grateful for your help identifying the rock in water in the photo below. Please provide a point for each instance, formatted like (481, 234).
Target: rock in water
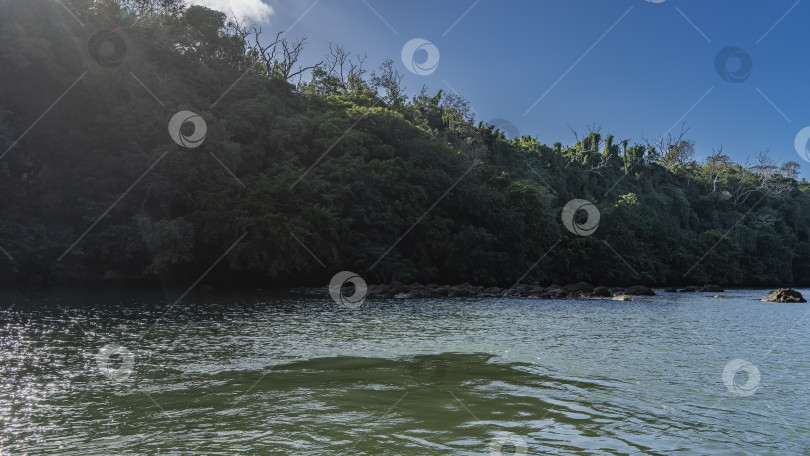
(784, 295)
(583, 287)
(639, 290)
(602, 292)
(690, 289)
(712, 288)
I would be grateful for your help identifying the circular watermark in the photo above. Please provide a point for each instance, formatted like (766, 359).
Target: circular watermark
(751, 384)
(35, 280)
(347, 279)
(733, 64)
(508, 128)
(802, 144)
(503, 439)
(428, 59)
(187, 139)
(429, 372)
(107, 48)
(569, 215)
(104, 363)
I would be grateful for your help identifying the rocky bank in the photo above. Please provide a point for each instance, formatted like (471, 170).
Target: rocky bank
(465, 290)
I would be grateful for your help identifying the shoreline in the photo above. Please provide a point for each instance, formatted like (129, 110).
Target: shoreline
(400, 290)
(394, 290)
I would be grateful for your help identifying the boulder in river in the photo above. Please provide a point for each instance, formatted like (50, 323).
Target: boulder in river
(639, 290)
(555, 293)
(396, 287)
(690, 289)
(622, 298)
(784, 295)
(601, 292)
(583, 287)
(442, 290)
(461, 290)
(712, 288)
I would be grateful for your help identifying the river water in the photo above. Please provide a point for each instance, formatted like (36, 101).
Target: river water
(251, 373)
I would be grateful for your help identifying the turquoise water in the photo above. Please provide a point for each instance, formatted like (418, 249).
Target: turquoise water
(247, 373)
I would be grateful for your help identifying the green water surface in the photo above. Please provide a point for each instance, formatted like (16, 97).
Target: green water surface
(251, 373)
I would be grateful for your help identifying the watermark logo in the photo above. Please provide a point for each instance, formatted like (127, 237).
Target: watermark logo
(503, 439)
(802, 144)
(423, 64)
(107, 48)
(187, 139)
(586, 227)
(733, 64)
(106, 366)
(35, 280)
(508, 128)
(346, 279)
(751, 384)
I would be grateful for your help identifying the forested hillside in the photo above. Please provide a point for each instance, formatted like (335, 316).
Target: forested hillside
(345, 159)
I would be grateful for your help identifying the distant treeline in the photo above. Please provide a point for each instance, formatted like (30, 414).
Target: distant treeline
(339, 160)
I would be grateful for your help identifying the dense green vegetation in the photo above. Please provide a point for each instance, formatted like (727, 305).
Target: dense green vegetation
(387, 158)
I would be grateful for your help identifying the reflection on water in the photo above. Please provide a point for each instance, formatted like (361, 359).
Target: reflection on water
(250, 374)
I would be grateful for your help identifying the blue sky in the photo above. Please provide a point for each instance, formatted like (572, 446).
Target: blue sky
(650, 64)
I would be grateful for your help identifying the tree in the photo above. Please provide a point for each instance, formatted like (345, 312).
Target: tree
(389, 80)
(278, 58)
(347, 164)
(717, 165)
(671, 150)
(790, 170)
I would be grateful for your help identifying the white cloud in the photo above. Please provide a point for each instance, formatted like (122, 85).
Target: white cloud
(253, 10)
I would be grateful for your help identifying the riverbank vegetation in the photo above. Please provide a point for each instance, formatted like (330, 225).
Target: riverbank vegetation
(341, 159)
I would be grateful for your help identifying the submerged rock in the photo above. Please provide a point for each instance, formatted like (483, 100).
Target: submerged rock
(622, 298)
(408, 295)
(707, 288)
(784, 295)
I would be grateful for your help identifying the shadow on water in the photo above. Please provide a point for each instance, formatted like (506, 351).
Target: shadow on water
(448, 403)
